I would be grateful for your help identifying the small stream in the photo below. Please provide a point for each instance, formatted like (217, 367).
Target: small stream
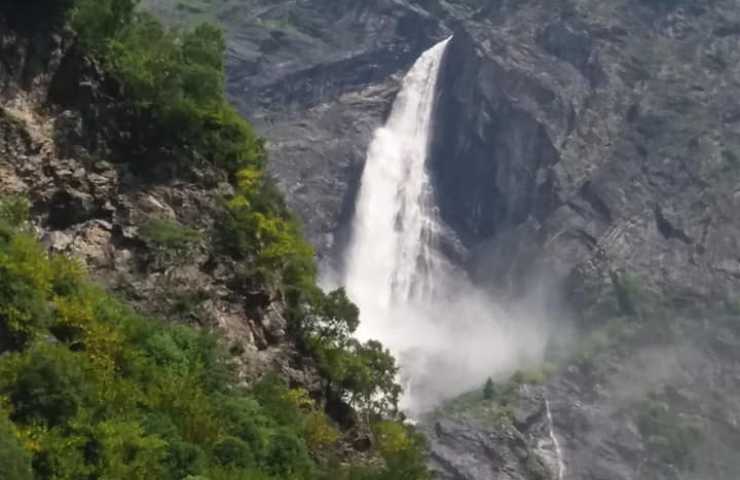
(555, 442)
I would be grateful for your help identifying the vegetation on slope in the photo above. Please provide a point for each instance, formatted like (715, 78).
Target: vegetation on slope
(90, 389)
(93, 390)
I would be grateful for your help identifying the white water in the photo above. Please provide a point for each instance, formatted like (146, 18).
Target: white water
(391, 258)
(555, 442)
(447, 335)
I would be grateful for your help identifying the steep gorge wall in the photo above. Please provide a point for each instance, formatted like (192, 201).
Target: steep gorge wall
(583, 129)
(592, 141)
(566, 131)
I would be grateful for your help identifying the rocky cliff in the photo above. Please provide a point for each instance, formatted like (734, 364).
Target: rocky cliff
(562, 127)
(97, 180)
(591, 141)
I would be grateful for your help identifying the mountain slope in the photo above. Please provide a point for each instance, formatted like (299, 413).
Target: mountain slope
(588, 142)
(201, 347)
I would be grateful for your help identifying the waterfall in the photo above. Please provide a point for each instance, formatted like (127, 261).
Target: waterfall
(555, 442)
(391, 257)
(446, 334)
(392, 264)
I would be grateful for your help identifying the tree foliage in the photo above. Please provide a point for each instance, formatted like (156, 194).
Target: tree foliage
(97, 391)
(15, 462)
(94, 390)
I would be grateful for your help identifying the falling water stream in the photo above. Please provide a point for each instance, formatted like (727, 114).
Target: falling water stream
(392, 264)
(396, 274)
(391, 258)
(555, 442)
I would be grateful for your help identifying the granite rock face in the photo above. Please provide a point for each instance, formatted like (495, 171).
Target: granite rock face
(566, 132)
(585, 137)
(592, 142)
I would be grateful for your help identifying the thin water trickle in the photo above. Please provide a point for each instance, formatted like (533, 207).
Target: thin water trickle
(555, 442)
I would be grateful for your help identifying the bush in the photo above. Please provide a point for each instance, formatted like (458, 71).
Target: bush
(234, 452)
(169, 236)
(27, 277)
(15, 463)
(97, 22)
(627, 289)
(667, 435)
(403, 451)
(288, 456)
(48, 385)
(489, 389)
(14, 210)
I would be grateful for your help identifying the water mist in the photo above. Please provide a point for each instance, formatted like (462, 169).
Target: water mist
(447, 335)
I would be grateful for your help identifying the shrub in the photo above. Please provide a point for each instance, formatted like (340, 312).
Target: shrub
(169, 236)
(98, 21)
(667, 435)
(262, 230)
(15, 463)
(489, 389)
(232, 451)
(627, 289)
(48, 385)
(288, 456)
(14, 210)
(403, 451)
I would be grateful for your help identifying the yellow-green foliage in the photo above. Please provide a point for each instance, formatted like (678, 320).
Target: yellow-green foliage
(94, 390)
(97, 391)
(14, 210)
(261, 230)
(15, 462)
(402, 449)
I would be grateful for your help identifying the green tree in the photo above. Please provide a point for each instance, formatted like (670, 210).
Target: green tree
(97, 22)
(489, 389)
(15, 463)
(47, 385)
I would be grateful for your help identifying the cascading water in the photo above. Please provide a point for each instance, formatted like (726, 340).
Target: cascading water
(392, 262)
(554, 440)
(391, 258)
(446, 334)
